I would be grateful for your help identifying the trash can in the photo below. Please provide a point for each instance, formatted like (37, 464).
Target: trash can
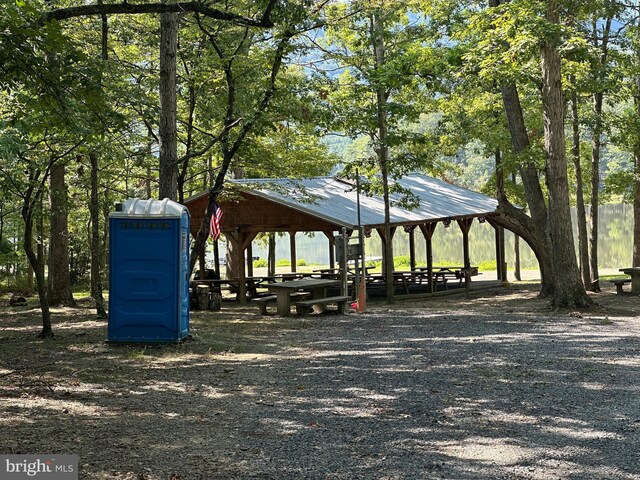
(149, 271)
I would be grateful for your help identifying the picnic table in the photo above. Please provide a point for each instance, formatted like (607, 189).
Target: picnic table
(283, 290)
(634, 273)
(293, 276)
(252, 283)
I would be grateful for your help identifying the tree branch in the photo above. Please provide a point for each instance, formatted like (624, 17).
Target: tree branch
(180, 7)
(211, 143)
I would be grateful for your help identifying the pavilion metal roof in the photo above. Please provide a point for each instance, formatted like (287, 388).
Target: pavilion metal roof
(335, 200)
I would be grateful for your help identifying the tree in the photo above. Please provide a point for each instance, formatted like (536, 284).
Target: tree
(495, 57)
(387, 75)
(568, 288)
(59, 278)
(40, 129)
(168, 55)
(504, 51)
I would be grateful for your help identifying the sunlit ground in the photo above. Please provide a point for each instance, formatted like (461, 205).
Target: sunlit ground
(494, 385)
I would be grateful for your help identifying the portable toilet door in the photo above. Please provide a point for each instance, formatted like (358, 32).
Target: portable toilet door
(149, 272)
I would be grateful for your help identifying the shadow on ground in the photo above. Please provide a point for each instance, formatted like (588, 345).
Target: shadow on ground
(491, 386)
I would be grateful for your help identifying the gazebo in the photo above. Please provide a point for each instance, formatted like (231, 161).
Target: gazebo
(327, 204)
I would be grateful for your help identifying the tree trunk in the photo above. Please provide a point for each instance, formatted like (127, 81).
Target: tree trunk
(636, 207)
(583, 238)
(1, 221)
(636, 186)
(598, 98)
(382, 150)
(534, 227)
(568, 288)
(94, 211)
(538, 238)
(595, 192)
(59, 291)
(37, 265)
(168, 184)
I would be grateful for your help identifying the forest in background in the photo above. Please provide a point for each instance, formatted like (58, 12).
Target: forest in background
(532, 101)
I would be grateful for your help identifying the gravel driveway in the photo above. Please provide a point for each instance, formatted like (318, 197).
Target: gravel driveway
(493, 386)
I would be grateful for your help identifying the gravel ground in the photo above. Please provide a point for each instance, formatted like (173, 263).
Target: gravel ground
(490, 386)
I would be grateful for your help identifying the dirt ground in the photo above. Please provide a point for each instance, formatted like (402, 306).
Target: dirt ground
(491, 385)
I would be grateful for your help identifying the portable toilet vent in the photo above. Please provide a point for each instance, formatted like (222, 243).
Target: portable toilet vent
(149, 271)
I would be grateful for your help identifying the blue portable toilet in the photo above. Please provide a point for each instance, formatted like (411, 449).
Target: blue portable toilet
(149, 271)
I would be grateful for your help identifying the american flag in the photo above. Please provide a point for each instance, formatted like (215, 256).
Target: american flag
(214, 223)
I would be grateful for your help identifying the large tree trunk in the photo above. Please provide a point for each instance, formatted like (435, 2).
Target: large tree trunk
(568, 288)
(538, 238)
(94, 211)
(59, 291)
(581, 213)
(168, 136)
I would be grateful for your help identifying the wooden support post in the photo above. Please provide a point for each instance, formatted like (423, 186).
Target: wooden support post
(412, 247)
(385, 261)
(250, 260)
(516, 263)
(499, 260)
(332, 249)
(427, 230)
(292, 243)
(383, 241)
(271, 255)
(465, 225)
(244, 240)
(240, 241)
(216, 258)
(503, 256)
(242, 276)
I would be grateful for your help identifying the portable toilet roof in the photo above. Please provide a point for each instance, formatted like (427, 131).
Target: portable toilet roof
(150, 208)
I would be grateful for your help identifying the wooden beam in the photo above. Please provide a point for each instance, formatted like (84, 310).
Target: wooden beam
(216, 257)
(332, 248)
(250, 259)
(244, 240)
(241, 241)
(503, 255)
(292, 246)
(412, 247)
(496, 231)
(465, 226)
(380, 231)
(427, 230)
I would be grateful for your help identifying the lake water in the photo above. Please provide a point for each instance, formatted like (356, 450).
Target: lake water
(614, 244)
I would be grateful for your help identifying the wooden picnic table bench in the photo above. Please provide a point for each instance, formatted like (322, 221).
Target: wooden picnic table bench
(634, 273)
(620, 283)
(263, 301)
(284, 290)
(305, 306)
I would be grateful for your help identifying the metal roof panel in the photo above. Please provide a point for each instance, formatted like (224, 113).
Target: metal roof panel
(335, 200)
